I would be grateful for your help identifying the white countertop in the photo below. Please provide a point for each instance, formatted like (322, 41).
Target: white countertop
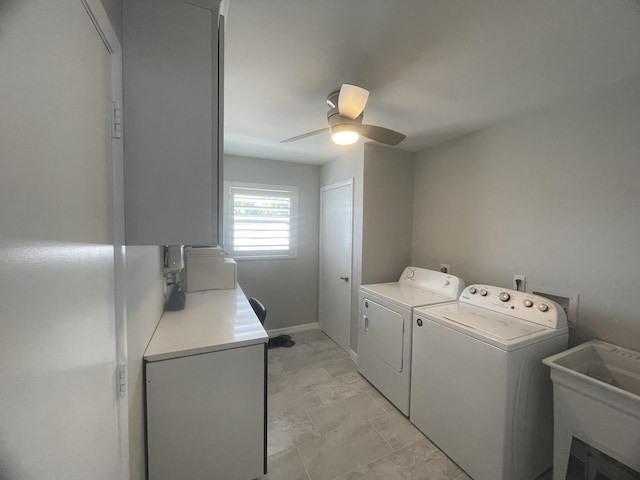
(211, 321)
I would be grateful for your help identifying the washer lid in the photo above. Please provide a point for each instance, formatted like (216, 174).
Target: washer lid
(498, 329)
(404, 295)
(495, 324)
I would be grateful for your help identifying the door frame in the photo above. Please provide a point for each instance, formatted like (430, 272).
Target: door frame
(105, 30)
(348, 182)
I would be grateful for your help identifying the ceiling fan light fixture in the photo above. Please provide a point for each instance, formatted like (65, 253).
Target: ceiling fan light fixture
(345, 115)
(345, 134)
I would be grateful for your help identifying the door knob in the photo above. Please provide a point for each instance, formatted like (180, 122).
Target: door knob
(346, 279)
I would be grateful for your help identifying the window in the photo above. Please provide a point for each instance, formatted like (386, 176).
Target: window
(261, 220)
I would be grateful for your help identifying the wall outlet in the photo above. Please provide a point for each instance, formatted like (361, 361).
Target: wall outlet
(519, 282)
(445, 268)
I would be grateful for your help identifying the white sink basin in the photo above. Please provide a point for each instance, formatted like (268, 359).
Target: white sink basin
(596, 395)
(602, 365)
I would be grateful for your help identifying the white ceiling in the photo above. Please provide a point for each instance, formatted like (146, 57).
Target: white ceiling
(436, 69)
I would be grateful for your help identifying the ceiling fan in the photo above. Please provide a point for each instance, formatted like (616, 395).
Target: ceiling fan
(345, 116)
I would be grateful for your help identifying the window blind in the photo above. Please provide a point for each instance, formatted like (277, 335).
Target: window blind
(261, 221)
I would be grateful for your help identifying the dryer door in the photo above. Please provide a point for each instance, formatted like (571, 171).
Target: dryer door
(381, 333)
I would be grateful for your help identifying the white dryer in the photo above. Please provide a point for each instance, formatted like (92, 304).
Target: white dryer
(479, 389)
(384, 333)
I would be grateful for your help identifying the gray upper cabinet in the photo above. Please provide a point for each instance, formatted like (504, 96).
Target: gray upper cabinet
(172, 121)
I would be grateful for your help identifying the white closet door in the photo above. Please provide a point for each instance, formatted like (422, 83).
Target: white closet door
(59, 410)
(336, 249)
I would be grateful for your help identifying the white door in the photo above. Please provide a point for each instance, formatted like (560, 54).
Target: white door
(59, 415)
(336, 247)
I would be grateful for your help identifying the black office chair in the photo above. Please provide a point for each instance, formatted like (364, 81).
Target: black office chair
(261, 313)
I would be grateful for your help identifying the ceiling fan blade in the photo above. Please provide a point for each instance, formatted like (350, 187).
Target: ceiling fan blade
(381, 134)
(305, 135)
(352, 100)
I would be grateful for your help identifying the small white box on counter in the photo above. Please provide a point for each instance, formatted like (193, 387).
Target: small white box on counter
(209, 269)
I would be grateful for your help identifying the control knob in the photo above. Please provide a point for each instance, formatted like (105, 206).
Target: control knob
(504, 296)
(543, 307)
(483, 292)
(472, 290)
(528, 303)
(446, 283)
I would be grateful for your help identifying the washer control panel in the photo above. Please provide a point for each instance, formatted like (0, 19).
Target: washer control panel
(527, 306)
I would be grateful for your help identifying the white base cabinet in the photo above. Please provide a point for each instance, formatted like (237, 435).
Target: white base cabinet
(206, 415)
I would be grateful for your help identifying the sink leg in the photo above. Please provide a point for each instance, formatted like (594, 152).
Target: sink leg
(561, 450)
(591, 463)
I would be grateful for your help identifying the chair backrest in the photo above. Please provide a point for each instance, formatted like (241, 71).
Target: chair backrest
(258, 308)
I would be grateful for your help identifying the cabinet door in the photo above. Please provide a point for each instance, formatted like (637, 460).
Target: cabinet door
(171, 122)
(206, 416)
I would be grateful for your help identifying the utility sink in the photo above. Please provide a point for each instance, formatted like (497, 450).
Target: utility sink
(601, 366)
(596, 395)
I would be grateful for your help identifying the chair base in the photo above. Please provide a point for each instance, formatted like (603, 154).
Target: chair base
(281, 341)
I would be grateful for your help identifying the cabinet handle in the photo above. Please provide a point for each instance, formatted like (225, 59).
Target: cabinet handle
(346, 279)
(366, 323)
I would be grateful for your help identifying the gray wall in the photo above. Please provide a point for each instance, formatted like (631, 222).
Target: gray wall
(114, 11)
(553, 194)
(387, 213)
(144, 301)
(287, 287)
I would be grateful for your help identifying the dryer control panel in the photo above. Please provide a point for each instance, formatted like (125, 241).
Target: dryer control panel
(523, 305)
(444, 283)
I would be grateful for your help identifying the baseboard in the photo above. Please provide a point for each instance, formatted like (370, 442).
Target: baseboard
(301, 328)
(354, 356)
(296, 328)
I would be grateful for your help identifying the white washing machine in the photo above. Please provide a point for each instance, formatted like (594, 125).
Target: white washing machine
(479, 389)
(384, 333)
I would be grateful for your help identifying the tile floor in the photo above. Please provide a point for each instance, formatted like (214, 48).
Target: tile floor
(326, 422)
